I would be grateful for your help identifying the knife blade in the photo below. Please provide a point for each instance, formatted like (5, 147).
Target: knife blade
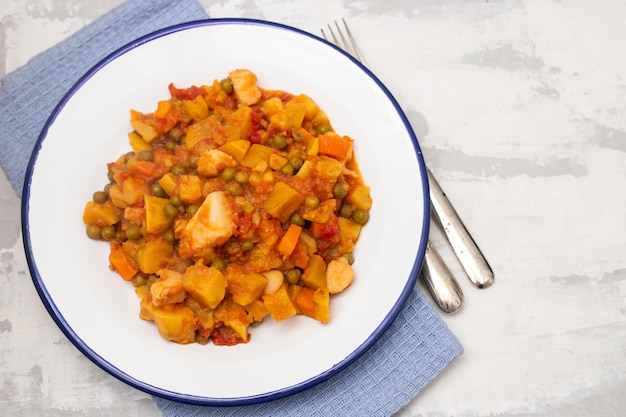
(469, 255)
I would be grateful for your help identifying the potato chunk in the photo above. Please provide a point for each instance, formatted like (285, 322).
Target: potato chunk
(206, 284)
(176, 323)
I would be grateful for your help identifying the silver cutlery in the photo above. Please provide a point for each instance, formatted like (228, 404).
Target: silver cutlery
(435, 274)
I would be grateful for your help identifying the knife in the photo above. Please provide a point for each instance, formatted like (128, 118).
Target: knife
(439, 281)
(462, 243)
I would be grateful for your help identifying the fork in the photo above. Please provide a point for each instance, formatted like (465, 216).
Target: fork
(435, 274)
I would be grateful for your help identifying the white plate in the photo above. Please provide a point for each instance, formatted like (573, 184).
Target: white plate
(98, 311)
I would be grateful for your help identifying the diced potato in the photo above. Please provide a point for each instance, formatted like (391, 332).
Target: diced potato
(197, 108)
(272, 106)
(154, 255)
(206, 284)
(314, 275)
(234, 316)
(169, 183)
(256, 311)
(212, 225)
(209, 128)
(310, 107)
(213, 161)
(277, 161)
(246, 288)
(283, 201)
(339, 275)
(348, 234)
(290, 117)
(105, 214)
(115, 194)
(279, 304)
(328, 169)
(168, 288)
(236, 148)
(244, 84)
(239, 124)
(305, 169)
(256, 154)
(177, 324)
(146, 131)
(132, 190)
(156, 220)
(360, 197)
(137, 143)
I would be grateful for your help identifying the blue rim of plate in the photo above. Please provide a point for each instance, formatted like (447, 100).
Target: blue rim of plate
(57, 315)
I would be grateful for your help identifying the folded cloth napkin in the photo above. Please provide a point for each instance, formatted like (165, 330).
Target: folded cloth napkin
(416, 347)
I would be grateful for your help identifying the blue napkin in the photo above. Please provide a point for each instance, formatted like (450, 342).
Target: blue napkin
(414, 350)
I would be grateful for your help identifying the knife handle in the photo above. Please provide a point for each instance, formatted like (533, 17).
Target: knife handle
(463, 245)
(440, 282)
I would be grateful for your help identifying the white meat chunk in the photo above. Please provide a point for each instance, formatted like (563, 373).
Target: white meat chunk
(244, 84)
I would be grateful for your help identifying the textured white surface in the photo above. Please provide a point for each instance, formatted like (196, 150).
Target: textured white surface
(519, 106)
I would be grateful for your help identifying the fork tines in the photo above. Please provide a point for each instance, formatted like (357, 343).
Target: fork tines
(349, 45)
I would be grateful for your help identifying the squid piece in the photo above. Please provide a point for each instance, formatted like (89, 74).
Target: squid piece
(212, 225)
(168, 288)
(244, 84)
(213, 161)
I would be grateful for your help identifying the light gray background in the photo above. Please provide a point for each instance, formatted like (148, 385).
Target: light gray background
(519, 106)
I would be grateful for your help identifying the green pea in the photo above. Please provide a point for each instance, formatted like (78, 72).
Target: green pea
(234, 188)
(133, 232)
(94, 231)
(193, 161)
(151, 280)
(145, 155)
(111, 176)
(297, 135)
(340, 190)
(287, 169)
(279, 141)
(229, 173)
(175, 200)
(246, 245)
(346, 210)
(139, 279)
(242, 177)
(322, 128)
(175, 133)
(100, 197)
(169, 236)
(349, 257)
(192, 209)
(360, 216)
(171, 144)
(297, 219)
(108, 232)
(292, 276)
(158, 191)
(296, 162)
(170, 211)
(128, 156)
(227, 85)
(219, 264)
(312, 202)
(177, 170)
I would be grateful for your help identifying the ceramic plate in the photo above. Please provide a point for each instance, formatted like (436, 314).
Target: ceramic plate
(98, 311)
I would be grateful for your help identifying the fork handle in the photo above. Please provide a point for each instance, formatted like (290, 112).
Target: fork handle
(439, 281)
(463, 245)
